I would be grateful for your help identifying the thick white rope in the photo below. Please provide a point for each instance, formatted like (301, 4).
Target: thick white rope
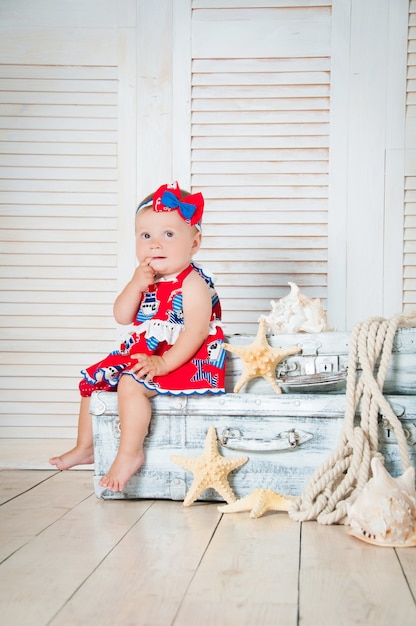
(341, 478)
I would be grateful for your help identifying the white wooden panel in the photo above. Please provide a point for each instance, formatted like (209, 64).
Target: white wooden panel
(260, 229)
(66, 72)
(83, 98)
(258, 167)
(44, 13)
(259, 243)
(263, 91)
(50, 123)
(95, 348)
(47, 322)
(40, 360)
(70, 110)
(57, 136)
(74, 261)
(267, 255)
(375, 116)
(58, 186)
(338, 164)
(261, 77)
(366, 174)
(281, 156)
(274, 64)
(32, 82)
(270, 142)
(63, 126)
(409, 239)
(17, 337)
(72, 46)
(58, 160)
(395, 158)
(221, 4)
(261, 32)
(257, 104)
(11, 286)
(222, 129)
(11, 172)
(53, 247)
(262, 117)
(181, 92)
(259, 154)
(270, 206)
(44, 236)
(60, 149)
(154, 106)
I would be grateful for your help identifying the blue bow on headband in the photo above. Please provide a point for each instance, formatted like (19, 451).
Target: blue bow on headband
(167, 198)
(186, 210)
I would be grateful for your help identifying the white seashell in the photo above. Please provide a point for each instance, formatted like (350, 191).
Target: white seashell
(296, 313)
(384, 513)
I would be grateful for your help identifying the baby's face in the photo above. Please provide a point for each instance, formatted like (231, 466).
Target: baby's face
(165, 241)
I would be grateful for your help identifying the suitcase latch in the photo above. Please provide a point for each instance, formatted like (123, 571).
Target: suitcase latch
(293, 438)
(234, 439)
(310, 365)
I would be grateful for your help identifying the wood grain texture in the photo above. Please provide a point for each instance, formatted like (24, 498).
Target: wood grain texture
(365, 583)
(160, 553)
(29, 515)
(85, 561)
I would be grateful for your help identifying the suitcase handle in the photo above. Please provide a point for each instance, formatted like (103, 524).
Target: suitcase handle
(285, 440)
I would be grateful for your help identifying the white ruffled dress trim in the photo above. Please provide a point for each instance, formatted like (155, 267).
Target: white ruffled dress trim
(167, 331)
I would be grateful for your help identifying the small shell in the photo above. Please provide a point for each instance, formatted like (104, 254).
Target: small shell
(296, 313)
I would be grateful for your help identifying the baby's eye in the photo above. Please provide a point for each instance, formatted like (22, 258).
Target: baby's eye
(145, 235)
(169, 233)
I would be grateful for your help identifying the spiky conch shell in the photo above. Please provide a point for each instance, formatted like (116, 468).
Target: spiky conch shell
(384, 514)
(296, 313)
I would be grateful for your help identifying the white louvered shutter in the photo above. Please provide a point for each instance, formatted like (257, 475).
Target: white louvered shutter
(61, 124)
(58, 159)
(260, 116)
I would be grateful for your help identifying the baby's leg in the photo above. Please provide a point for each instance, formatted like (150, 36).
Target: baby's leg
(135, 412)
(83, 453)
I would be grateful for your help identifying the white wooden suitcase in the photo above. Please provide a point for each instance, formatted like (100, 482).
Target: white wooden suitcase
(286, 437)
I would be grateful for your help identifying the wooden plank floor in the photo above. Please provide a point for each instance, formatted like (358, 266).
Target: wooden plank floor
(68, 558)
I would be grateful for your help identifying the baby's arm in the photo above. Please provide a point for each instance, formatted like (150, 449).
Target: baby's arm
(197, 308)
(125, 305)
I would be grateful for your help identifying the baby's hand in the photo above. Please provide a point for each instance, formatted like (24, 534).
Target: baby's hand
(149, 366)
(143, 276)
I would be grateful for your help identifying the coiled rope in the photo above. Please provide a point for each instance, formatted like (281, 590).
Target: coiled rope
(340, 479)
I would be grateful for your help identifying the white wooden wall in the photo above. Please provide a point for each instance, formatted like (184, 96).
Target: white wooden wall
(374, 152)
(68, 172)
(409, 286)
(290, 116)
(260, 148)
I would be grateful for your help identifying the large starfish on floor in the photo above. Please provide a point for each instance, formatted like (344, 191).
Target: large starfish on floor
(210, 470)
(259, 502)
(260, 359)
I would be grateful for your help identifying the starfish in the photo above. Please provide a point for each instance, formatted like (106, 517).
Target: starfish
(260, 359)
(259, 502)
(210, 470)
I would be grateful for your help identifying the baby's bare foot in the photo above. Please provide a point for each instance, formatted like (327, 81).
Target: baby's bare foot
(76, 456)
(123, 468)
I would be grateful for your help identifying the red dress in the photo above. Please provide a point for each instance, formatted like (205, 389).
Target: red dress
(158, 323)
